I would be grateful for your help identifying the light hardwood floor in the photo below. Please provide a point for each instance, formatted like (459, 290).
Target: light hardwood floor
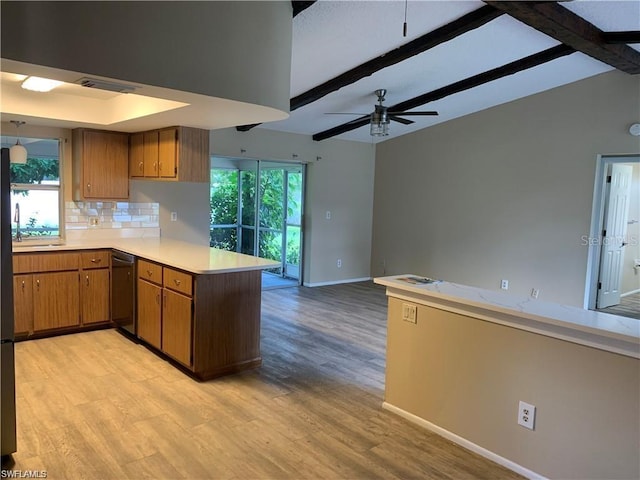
(95, 405)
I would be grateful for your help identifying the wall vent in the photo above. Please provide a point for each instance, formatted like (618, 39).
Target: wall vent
(105, 85)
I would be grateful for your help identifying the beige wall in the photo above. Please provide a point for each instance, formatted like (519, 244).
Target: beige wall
(235, 50)
(505, 193)
(467, 377)
(339, 179)
(631, 276)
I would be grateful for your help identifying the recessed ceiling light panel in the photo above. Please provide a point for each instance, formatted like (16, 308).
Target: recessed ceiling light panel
(39, 84)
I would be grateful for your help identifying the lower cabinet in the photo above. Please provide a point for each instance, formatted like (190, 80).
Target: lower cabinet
(209, 323)
(150, 313)
(56, 300)
(95, 296)
(60, 291)
(165, 315)
(176, 326)
(23, 304)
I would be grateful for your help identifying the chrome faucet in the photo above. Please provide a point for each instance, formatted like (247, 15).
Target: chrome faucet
(16, 218)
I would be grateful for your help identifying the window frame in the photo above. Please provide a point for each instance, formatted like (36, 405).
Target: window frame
(45, 239)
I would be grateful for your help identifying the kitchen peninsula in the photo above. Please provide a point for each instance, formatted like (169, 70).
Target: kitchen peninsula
(197, 305)
(461, 359)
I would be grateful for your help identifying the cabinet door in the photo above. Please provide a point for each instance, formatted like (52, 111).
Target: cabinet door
(95, 296)
(23, 304)
(149, 313)
(167, 153)
(105, 165)
(176, 326)
(150, 154)
(136, 155)
(56, 300)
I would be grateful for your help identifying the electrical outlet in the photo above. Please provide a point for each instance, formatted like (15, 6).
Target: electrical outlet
(409, 313)
(504, 284)
(535, 292)
(94, 221)
(174, 216)
(526, 415)
(339, 263)
(328, 215)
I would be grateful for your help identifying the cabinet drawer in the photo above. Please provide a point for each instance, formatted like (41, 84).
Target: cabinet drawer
(95, 259)
(45, 262)
(178, 281)
(152, 272)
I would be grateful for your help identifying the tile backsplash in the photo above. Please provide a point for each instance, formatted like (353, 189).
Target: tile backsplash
(111, 215)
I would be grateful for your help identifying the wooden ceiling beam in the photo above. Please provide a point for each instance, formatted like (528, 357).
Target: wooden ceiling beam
(457, 87)
(622, 37)
(451, 30)
(565, 26)
(300, 6)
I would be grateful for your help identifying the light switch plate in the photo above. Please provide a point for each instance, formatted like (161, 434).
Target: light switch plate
(409, 313)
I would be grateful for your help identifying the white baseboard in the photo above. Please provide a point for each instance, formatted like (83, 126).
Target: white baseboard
(632, 292)
(336, 282)
(494, 457)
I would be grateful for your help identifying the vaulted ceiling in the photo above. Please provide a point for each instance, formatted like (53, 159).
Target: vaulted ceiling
(458, 57)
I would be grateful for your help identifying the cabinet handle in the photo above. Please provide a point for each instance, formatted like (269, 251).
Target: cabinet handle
(149, 272)
(38, 284)
(89, 186)
(23, 285)
(141, 166)
(96, 260)
(87, 277)
(158, 299)
(177, 282)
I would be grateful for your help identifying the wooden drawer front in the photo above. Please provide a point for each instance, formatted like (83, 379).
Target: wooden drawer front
(178, 281)
(152, 272)
(45, 262)
(95, 259)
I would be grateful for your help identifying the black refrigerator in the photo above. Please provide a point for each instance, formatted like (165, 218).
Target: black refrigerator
(7, 365)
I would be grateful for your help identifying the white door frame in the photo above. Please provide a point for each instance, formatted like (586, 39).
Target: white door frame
(597, 218)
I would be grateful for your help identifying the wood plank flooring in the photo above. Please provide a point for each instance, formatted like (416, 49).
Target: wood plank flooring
(96, 405)
(629, 306)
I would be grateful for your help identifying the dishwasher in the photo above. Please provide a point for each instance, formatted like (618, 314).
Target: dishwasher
(123, 291)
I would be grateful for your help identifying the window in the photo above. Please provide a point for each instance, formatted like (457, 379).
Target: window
(36, 187)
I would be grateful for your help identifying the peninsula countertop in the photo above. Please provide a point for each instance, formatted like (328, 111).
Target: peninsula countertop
(198, 259)
(587, 327)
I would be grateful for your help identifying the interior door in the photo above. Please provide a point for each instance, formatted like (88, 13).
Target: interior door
(613, 238)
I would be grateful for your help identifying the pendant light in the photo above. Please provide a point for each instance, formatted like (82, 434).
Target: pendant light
(18, 153)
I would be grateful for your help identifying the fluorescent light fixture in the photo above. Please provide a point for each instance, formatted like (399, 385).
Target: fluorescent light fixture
(39, 84)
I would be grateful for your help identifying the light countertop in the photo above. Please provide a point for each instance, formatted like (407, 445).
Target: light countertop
(596, 329)
(183, 255)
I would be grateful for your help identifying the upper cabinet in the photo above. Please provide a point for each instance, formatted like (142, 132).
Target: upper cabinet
(100, 165)
(174, 154)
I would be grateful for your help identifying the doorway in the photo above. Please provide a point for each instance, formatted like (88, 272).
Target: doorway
(256, 208)
(613, 283)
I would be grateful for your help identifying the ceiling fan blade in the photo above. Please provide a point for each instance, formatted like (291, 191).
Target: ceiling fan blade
(404, 121)
(346, 113)
(413, 113)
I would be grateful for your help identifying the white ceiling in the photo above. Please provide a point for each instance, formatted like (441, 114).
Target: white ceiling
(331, 37)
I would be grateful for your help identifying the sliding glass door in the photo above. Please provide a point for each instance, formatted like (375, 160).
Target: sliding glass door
(256, 209)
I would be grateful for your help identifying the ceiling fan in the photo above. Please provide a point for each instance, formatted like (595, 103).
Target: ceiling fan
(381, 117)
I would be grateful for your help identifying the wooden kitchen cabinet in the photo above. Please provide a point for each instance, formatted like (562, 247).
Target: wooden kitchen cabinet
(100, 165)
(165, 310)
(95, 283)
(61, 291)
(56, 300)
(149, 315)
(176, 326)
(173, 154)
(23, 304)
